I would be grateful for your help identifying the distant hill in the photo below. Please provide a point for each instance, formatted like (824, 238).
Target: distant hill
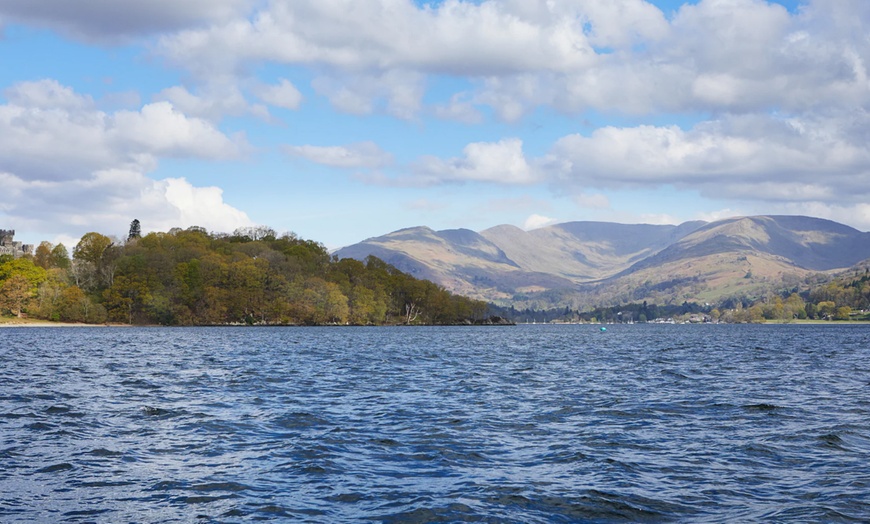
(578, 263)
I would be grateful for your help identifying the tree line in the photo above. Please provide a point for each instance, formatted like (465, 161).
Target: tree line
(193, 277)
(846, 297)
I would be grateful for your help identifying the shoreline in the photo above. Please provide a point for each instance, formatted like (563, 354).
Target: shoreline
(7, 322)
(27, 323)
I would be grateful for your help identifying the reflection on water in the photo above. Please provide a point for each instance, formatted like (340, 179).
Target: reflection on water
(504, 424)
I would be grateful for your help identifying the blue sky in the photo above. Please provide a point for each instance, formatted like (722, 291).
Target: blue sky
(341, 120)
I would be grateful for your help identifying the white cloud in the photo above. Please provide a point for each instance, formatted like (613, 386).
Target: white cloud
(720, 214)
(65, 163)
(392, 35)
(538, 221)
(202, 206)
(217, 98)
(359, 155)
(51, 133)
(500, 162)
(47, 94)
(748, 157)
(572, 55)
(614, 55)
(283, 94)
(110, 199)
(160, 130)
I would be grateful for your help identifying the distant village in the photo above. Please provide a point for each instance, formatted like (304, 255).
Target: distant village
(8, 245)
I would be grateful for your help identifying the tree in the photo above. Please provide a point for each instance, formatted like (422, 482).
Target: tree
(60, 257)
(91, 248)
(135, 230)
(89, 267)
(255, 233)
(826, 309)
(842, 313)
(42, 258)
(127, 298)
(15, 294)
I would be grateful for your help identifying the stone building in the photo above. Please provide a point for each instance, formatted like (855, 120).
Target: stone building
(8, 246)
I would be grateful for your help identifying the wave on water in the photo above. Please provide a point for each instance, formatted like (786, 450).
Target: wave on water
(527, 424)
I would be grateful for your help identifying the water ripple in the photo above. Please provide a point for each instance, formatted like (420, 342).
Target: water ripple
(526, 424)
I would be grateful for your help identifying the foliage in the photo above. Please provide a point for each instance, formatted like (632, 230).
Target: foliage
(254, 276)
(843, 298)
(15, 293)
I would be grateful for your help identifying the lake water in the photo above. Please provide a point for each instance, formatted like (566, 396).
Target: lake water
(641, 423)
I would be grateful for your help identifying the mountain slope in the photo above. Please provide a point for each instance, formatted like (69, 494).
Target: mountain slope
(809, 243)
(459, 259)
(583, 251)
(565, 264)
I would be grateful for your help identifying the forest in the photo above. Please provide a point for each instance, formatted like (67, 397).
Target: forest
(188, 277)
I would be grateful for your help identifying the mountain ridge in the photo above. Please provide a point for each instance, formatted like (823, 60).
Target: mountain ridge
(567, 263)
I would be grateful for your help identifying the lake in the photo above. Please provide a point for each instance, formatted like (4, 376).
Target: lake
(641, 423)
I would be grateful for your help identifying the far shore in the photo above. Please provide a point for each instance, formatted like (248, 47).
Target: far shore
(6, 322)
(12, 322)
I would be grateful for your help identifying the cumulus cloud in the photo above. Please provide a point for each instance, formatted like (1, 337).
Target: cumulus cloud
(63, 161)
(756, 157)
(614, 55)
(51, 133)
(501, 162)
(574, 56)
(747, 158)
(109, 199)
(391, 35)
(359, 155)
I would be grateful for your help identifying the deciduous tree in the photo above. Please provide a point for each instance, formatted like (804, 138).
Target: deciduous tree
(15, 293)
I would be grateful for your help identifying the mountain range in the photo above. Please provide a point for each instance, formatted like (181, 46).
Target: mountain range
(594, 263)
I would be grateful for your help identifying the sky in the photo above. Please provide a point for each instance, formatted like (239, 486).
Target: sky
(341, 120)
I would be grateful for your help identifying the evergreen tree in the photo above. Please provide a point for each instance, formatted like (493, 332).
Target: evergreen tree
(135, 230)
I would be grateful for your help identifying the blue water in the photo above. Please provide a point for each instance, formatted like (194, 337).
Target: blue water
(642, 423)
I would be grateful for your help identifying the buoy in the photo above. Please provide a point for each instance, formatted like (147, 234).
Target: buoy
(603, 328)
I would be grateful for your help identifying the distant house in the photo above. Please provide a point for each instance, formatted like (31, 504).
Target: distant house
(8, 246)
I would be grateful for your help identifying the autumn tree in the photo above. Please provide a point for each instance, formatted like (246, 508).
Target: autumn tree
(15, 293)
(42, 256)
(89, 260)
